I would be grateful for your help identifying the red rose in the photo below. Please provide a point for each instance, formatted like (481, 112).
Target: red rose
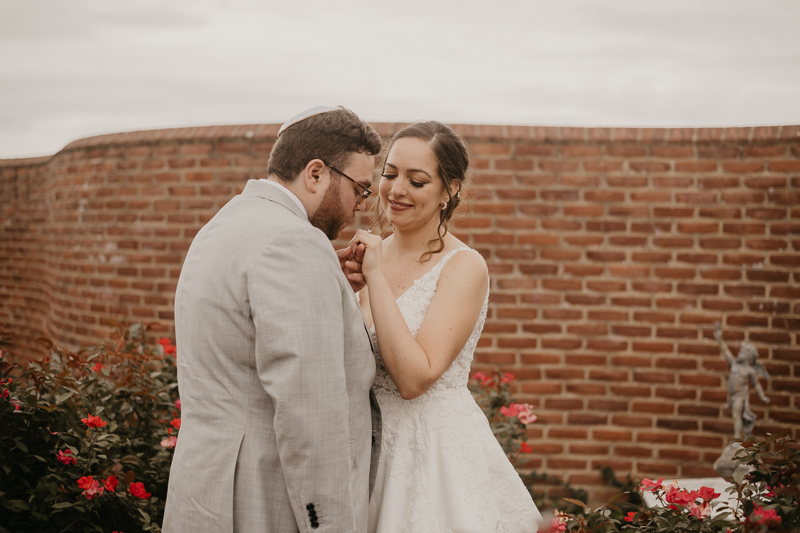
(111, 483)
(176, 423)
(708, 494)
(86, 482)
(167, 346)
(679, 497)
(524, 448)
(630, 516)
(137, 489)
(93, 421)
(764, 516)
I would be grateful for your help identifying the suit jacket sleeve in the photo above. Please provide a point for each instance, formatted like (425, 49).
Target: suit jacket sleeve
(296, 305)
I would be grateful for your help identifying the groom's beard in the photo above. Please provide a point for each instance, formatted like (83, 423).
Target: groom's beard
(330, 216)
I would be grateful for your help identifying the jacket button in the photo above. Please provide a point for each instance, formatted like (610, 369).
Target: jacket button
(310, 506)
(373, 440)
(314, 524)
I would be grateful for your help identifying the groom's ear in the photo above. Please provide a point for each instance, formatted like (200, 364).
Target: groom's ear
(314, 175)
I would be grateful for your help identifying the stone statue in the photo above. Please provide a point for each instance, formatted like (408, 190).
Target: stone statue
(745, 368)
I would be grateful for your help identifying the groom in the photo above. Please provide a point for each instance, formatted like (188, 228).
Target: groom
(280, 431)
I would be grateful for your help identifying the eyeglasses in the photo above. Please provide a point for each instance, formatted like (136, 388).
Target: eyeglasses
(363, 191)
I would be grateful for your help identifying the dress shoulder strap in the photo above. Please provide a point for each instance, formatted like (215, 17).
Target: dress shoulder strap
(437, 269)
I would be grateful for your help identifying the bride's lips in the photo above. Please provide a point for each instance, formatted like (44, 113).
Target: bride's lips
(398, 206)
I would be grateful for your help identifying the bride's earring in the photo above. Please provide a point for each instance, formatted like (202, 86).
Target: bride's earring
(444, 206)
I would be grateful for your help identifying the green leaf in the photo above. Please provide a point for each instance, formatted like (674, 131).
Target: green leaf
(62, 505)
(21, 445)
(61, 398)
(575, 502)
(18, 505)
(738, 475)
(145, 516)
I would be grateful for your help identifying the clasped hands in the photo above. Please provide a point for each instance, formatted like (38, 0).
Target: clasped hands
(361, 258)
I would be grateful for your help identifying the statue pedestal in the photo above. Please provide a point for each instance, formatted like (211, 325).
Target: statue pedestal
(725, 465)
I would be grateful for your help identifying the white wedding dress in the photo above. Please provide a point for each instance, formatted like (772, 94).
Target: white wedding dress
(441, 469)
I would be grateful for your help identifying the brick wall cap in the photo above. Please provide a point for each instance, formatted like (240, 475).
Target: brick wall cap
(471, 132)
(26, 161)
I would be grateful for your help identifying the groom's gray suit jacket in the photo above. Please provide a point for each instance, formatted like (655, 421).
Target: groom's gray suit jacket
(280, 430)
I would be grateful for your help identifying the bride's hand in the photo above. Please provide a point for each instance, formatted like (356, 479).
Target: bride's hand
(371, 262)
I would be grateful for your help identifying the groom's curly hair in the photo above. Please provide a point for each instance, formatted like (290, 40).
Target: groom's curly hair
(332, 136)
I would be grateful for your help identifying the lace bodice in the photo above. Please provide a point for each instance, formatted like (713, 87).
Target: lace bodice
(413, 306)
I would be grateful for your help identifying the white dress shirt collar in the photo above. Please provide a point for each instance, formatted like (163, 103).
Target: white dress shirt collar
(291, 195)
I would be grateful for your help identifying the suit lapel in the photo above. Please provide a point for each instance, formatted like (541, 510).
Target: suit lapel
(364, 321)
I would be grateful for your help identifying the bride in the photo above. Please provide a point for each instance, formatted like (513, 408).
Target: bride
(441, 468)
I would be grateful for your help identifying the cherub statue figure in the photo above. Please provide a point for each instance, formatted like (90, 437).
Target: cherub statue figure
(746, 367)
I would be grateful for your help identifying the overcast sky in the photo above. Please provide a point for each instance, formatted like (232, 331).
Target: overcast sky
(75, 68)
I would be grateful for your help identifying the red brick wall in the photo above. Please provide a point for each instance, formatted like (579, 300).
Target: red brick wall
(612, 254)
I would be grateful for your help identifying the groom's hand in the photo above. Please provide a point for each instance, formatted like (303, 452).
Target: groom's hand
(350, 262)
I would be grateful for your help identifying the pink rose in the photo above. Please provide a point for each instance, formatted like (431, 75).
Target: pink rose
(65, 457)
(522, 411)
(648, 484)
(700, 511)
(91, 487)
(169, 442)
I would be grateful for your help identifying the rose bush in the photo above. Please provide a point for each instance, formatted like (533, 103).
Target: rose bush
(86, 437)
(766, 489)
(86, 441)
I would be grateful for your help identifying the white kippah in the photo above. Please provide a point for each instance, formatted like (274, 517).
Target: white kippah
(305, 114)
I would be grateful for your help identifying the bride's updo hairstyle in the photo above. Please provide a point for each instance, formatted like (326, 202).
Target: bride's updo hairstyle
(452, 156)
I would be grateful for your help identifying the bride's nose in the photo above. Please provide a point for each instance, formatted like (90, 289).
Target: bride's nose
(399, 186)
